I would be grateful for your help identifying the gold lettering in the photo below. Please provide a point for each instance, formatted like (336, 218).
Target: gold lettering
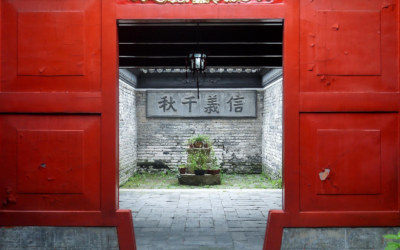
(200, 1)
(194, 1)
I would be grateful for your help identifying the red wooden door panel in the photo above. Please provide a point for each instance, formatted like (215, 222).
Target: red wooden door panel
(361, 152)
(353, 160)
(58, 116)
(343, 171)
(57, 39)
(348, 46)
(55, 47)
(50, 162)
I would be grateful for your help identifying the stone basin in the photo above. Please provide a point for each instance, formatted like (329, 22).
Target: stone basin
(197, 180)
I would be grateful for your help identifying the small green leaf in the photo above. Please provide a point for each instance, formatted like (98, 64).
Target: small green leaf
(391, 236)
(398, 234)
(393, 244)
(391, 247)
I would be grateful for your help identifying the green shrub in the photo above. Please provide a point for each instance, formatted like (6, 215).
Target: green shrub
(277, 184)
(392, 245)
(199, 138)
(198, 160)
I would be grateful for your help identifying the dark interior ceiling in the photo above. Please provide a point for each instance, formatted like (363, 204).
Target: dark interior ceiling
(237, 45)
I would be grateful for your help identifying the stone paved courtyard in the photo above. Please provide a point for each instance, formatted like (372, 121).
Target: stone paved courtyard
(200, 219)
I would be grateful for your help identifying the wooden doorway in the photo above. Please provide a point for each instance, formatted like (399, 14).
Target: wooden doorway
(340, 61)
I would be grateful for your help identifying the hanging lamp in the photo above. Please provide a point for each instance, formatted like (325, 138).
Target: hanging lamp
(197, 62)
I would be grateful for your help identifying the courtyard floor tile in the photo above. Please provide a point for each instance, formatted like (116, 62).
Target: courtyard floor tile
(206, 219)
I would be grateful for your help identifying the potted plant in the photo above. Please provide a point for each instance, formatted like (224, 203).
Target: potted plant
(192, 164)
(190, 142)
(214, 170)
(198, 161)
(192, 161)
(182, 169)
(198, 141)
(200, 170)
(207, 142)
(215, 167)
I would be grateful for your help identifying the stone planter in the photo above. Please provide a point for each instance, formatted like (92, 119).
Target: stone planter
(214, 172)
(182, 170)
(197, 180)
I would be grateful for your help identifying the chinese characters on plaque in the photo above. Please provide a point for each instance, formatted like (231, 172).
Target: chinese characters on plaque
(217, 104)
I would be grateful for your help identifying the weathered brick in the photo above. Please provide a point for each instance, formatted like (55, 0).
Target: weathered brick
(237, 142)
(159, 144)
(127, 132)
(272, 130)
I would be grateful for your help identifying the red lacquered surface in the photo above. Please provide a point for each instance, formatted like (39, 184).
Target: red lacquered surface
(59, 43)
(361, 151)
(343, 117)
(50, 162)
(341, 105)
(59, 116)
(59, 40)
(349, 46)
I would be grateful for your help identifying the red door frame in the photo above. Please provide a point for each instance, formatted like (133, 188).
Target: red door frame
(105, 104)
(295, 103)
(289, 12)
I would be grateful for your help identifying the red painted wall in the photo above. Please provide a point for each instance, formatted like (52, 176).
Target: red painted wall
(341, 107)
(59, 91)
(59, 116)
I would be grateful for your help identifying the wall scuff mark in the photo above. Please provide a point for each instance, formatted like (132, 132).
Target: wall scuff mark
(385, 4)
(335, 26)
(324, 175)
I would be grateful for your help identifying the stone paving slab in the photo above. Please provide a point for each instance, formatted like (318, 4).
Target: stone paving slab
(206, 219)
(62, 238)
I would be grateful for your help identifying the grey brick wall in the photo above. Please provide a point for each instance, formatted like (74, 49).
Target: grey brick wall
(161, 141)
(336, 238)
(127, 132)
(272, 130)
(50, 238)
